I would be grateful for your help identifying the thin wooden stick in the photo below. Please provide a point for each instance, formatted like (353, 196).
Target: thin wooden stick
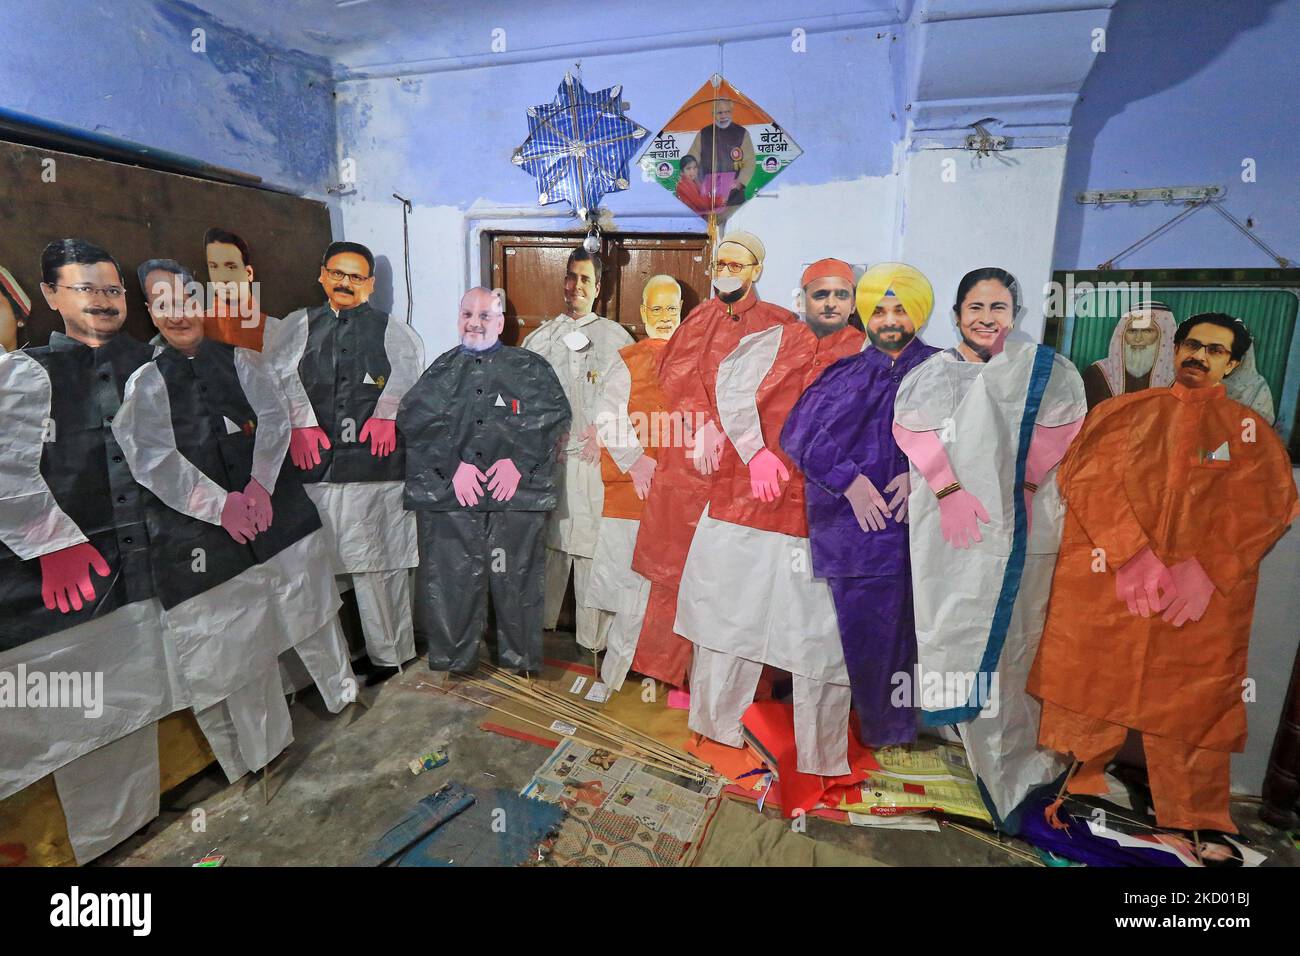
(664, 755)
(600, 721)
(573, 708)
(604, 716)
(1014, 851)
(594, 720)
(582, 740)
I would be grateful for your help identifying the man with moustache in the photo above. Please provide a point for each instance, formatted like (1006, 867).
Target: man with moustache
(839, 434)
(1175, 495)
(688, 375)
(241, 564)
(482, 428)
(632, 422)
(984, 426)
(580, 345)
(236, 318)
(76, 589)
(748, 596)
(1140, 355)
(828, 297)
(344, 367)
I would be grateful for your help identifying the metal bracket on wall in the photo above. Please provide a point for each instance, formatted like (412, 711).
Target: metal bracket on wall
(1154, 194)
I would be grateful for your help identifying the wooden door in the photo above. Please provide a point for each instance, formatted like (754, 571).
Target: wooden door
(530, 268)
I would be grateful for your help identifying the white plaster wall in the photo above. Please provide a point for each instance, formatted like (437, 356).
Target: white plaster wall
(999, 210)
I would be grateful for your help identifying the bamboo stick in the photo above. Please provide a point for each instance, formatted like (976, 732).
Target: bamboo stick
(594, 720)
(507, 676)
(664, 756)
(582, 740)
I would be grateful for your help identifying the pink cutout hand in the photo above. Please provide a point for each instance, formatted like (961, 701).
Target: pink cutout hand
(959, 516)
(643, 473)
(237, 519)
(1141, 580)
(867, 503)
(706, 449)
(467, 484)
(766, 472)
(901, 486)
(382, 433)
(505, 479)
(259, 504)
(65, 576)
(305, 445)
(1194, 589)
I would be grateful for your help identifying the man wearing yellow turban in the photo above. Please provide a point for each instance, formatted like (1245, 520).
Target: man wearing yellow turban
(839, 434)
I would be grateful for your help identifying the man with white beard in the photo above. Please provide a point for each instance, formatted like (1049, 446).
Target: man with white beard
(1141, 354)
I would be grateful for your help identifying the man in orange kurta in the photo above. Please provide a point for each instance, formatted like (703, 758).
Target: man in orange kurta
(631, 422)
(1173, 496)
(687, 374)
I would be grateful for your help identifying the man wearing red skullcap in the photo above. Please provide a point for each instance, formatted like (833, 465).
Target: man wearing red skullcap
(828, 297)
(748, 596)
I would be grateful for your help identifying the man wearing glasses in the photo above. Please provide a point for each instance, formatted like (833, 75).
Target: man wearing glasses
(1174, 495)
(76, 592)
(685, 475)
(345, 367)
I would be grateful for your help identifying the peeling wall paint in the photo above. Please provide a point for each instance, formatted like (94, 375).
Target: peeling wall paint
(125, 68)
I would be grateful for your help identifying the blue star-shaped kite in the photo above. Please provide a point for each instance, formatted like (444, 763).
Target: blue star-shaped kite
(578, 146)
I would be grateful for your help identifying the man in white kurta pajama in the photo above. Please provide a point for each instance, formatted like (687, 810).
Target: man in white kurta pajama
(748, 596)
(345, 367)
(990, 435)
(580, 346)
(234, 611)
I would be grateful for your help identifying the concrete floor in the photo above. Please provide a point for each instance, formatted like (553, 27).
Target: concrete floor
(344, 781)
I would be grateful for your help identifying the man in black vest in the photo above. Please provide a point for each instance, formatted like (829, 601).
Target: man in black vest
(76, 589)
(241, 565)
(344, 367)
(482, 426)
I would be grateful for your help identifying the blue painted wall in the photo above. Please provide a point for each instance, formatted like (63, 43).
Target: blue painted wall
(445, 138)
(125, 68)
(1184, 92)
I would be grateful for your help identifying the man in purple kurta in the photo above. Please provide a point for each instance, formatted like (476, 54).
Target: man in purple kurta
(839, 434)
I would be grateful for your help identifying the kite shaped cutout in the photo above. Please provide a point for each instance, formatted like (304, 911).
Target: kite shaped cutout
(718, 150)
(579, 145)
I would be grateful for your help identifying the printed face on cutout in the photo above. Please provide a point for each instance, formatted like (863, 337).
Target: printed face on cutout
(227, 271)
(661, 312)
(480, 320)
(889, 326)
(346, 280)
(581, 286)
(1204, 357)
(181, 328)
(986, 316)
(8, 325)
(735, 269)
(828, 301)
(90, 299)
